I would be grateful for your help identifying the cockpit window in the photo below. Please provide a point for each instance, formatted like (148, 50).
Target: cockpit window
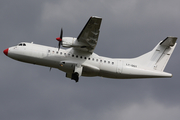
(21, 44)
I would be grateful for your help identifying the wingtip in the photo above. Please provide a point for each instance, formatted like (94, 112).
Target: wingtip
(96, 17)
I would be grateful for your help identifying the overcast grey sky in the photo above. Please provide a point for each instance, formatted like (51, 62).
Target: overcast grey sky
(129, 28)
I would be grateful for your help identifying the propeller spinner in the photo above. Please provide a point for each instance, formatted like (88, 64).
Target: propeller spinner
(60, 39)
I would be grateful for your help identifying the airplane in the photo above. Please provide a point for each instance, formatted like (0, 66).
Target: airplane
(78, 57)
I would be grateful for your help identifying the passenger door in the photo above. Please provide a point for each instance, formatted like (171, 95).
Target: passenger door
(119, 66)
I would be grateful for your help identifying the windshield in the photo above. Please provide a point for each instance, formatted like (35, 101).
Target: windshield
(21, 44)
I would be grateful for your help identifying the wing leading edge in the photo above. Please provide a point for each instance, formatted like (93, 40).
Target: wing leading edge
(90, 33)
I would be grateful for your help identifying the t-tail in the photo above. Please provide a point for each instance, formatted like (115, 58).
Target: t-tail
(153, 63)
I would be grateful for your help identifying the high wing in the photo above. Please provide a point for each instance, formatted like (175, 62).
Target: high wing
(89, 35)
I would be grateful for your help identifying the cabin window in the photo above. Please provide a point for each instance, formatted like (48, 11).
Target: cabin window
(57, 52)
(72, 55)
(97, 60)
(76, 56)
(108, 61)
(49, 51)
(100, 60)
(93, 59)
(60, 52)
(113, 63)
(81, 57)
(84, 57)
(105, 61)
(89, 58)
(64, 53)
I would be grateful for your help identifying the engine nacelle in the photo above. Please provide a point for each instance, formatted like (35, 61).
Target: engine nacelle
(70, 42)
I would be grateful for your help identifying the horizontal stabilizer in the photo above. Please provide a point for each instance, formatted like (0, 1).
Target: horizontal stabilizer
(169, 41)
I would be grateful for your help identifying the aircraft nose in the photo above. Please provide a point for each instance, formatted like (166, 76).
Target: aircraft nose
(6, 51)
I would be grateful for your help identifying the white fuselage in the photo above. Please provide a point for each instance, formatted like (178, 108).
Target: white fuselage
(93, 64)
(80, 60)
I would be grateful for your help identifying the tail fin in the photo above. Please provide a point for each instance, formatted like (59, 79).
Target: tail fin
(158, 58)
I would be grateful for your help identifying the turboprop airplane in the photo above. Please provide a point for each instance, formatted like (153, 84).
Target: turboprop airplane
(80, 60)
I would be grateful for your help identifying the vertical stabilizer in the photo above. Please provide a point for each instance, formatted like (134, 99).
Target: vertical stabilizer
(158, 58)
(167, 47)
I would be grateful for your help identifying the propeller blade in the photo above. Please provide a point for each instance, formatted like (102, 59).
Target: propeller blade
(60, 43)
(61, 35)
(60, 39)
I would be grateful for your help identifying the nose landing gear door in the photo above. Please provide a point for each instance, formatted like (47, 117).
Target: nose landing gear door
(119, 66)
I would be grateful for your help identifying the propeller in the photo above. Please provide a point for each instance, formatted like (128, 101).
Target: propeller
(60, 39)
